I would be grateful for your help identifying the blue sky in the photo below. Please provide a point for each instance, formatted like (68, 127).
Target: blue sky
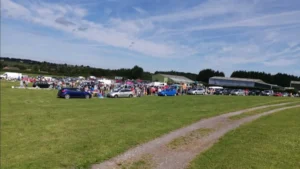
(226, 35)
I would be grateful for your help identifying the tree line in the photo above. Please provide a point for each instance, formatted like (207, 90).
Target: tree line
(280, 79)
(31, 66)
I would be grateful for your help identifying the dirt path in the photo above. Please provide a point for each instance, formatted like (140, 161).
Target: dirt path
(189, 145)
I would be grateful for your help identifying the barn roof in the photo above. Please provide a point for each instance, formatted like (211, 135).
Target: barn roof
(178, 79)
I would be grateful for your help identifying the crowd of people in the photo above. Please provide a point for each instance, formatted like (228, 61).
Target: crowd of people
(139, 89)
(95, 87)
(98, 88)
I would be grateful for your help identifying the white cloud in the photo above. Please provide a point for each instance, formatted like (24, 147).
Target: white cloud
(225, 49)
(283, 18)
(215, 33)
(236, 54)
(140, 10)
(11, 9)
(58, 50)
(61, 10)
(209, 8)
(108, 11)
(281, 62)
(124, 26)
(122, 35)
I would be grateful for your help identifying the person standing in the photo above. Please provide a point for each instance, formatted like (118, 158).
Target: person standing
(148, 90)
(21, 84)
(159, 89)
(181, 90)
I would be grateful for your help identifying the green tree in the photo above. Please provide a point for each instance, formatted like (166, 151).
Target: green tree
(191, 76)
(280, 79)
(1, 65)
(137, 72)
(36, 68)
(205, 74)
(21, 67)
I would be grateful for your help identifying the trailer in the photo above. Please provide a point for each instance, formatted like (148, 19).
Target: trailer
(11, 75)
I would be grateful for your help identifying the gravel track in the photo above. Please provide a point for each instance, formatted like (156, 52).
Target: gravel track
(179, 158)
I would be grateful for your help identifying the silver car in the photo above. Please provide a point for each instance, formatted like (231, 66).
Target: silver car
(238, 92)
(116, 89)
(121, 93)
(196, 91)
(267, 93)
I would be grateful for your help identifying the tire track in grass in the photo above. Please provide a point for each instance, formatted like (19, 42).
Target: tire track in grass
(164, 157)
(269, 142)
(258, 111)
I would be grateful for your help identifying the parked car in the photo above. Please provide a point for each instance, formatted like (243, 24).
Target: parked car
(121, 93)
(238, 92)
(278, 94)
(267, 93)
(254, 93)
(68, 93)
(219, 92)
(42, 84)
(168, 92)
(285, 94)
(196, 91)
(226, 91)
(116, 89)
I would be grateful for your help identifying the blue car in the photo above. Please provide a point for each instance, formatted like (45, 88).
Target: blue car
(168, 92)
(68, 93)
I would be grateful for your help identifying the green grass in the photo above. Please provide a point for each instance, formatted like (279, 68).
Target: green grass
(271, 142)
(185, 140)
(42, 131)
(258, 111)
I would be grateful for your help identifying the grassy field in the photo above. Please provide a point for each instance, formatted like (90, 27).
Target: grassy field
(42, 131)
(258, 111)
(271, 142)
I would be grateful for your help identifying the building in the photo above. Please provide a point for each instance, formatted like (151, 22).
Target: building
(11, 68)
(295, 84)
(241, 83)
(171, 79)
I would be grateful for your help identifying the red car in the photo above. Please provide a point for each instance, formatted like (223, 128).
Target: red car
(278, 94)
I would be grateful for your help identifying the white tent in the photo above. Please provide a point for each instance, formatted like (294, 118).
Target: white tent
(106, 81)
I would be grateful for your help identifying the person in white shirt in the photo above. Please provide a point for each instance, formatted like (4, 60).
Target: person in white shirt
(159, 89)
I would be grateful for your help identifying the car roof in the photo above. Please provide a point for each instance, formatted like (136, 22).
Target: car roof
(126, 89)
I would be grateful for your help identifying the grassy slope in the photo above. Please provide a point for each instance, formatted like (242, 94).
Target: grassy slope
(271, 142)
(41, 131)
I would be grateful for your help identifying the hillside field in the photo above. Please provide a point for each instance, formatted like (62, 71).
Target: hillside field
(42, 131)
